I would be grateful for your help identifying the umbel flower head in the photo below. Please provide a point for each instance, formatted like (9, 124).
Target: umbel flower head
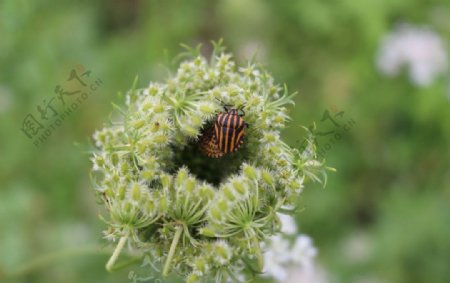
(203, 218)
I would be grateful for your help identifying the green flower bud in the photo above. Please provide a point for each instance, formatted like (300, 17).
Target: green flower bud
(193, 278)
(200, 265)
(249, 171)
(181, 177)
(163, 204)
(159, 108)
(207, 232)
(155, 127)
(98, 161)
(166, 180)
(150, 206)
(239, 187)
(267, 177)
(216, 214)
(147, 106)
(135, 192)
(190, 185)
(137, 124)
(229, 193)
(147, 175)
(121, 190)
(161, 139)
(114, 159)
(222, 252)
(222, 205)
(206, 192)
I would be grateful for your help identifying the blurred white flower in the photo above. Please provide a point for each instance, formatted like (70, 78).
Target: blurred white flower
(281, 255)
(419, 49)
(288, 225)
(303, 251)
(277, 258)
(314, 274)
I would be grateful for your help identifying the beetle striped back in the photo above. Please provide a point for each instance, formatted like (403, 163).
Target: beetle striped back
(226, 135)
(229, 131)
(208, 144)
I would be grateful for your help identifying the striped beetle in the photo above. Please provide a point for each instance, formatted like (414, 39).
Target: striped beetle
(227, 134)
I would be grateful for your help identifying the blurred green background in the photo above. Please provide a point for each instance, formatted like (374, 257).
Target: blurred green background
(383, 217)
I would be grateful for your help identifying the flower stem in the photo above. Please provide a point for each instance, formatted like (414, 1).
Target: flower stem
(178, 232)
(115, 255)
(259, 256)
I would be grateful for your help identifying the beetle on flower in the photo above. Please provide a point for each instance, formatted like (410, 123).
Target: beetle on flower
(226, 136)
(203, 218)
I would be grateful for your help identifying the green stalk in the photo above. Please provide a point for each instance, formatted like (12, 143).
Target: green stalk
(178, 232)
(116, 253)
(259, 256)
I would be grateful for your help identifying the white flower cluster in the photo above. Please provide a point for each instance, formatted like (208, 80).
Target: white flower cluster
(418, 49)
(281, 256)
